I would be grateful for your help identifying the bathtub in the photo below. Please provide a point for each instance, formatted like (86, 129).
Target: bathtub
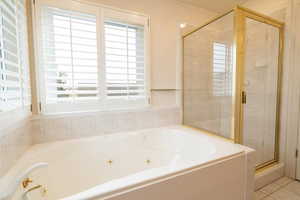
(173, 163)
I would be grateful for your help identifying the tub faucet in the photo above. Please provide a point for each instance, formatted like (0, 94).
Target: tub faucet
(26, 182)
(8, 191)
(24, 195)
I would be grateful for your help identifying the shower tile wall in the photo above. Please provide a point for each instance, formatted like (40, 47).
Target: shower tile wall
(204, 109)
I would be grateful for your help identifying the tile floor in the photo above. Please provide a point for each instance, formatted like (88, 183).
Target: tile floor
(282, 189)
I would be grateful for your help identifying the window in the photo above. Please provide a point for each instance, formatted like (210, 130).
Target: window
(222, 69)
(69, 55)
(14, 67)
(92, 58)
(124, 61)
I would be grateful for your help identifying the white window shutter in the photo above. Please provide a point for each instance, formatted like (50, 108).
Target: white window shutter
(124, 61)
(90, 59)
(14, 68)
(69, 56)
(23, 52)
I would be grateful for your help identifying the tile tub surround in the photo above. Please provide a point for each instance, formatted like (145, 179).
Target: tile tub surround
(70, 126)
(14, 141)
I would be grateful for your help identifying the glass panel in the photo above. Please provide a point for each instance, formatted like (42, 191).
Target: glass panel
(208, 77)
(260, 84)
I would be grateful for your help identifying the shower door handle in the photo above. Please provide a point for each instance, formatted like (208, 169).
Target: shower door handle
(244, 97)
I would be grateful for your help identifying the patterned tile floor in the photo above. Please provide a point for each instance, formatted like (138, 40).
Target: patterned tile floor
(282, 189)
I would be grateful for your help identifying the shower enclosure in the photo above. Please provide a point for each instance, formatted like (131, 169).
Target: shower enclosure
(232, 80)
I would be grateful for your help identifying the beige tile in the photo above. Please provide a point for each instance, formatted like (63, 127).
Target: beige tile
(69, 127)
(268, 198)
(259, 195)
(146, 119)
(83, 126)
(284, 181)
(269, 189)
(284, 194)
(293, 187)
(127, 121)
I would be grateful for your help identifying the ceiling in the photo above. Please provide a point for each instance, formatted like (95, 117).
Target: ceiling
(215, 5)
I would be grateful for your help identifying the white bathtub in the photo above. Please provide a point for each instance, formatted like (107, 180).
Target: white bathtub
(174, 163)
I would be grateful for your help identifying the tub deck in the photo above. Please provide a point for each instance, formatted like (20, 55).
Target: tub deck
(105, 165)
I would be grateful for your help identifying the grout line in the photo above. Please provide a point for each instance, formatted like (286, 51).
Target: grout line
(289, 183)
(281, 187)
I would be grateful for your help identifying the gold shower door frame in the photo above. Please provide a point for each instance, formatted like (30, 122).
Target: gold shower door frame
(240, 16)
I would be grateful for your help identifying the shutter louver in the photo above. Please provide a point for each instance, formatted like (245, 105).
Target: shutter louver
(69, 48)
(124, 61)
(10, 68)
(23, 53)
(14, 68)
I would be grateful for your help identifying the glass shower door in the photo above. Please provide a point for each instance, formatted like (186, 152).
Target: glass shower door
(260, 85)
(208, 77)
(232, 80)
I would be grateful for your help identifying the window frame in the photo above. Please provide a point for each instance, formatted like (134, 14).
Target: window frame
(101, 12)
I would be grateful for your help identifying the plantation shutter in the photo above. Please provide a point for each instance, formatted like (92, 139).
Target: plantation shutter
(23, 52)
(222, 70)
(69, 56)
(124, 61)
(91, 58)
(14, 68)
